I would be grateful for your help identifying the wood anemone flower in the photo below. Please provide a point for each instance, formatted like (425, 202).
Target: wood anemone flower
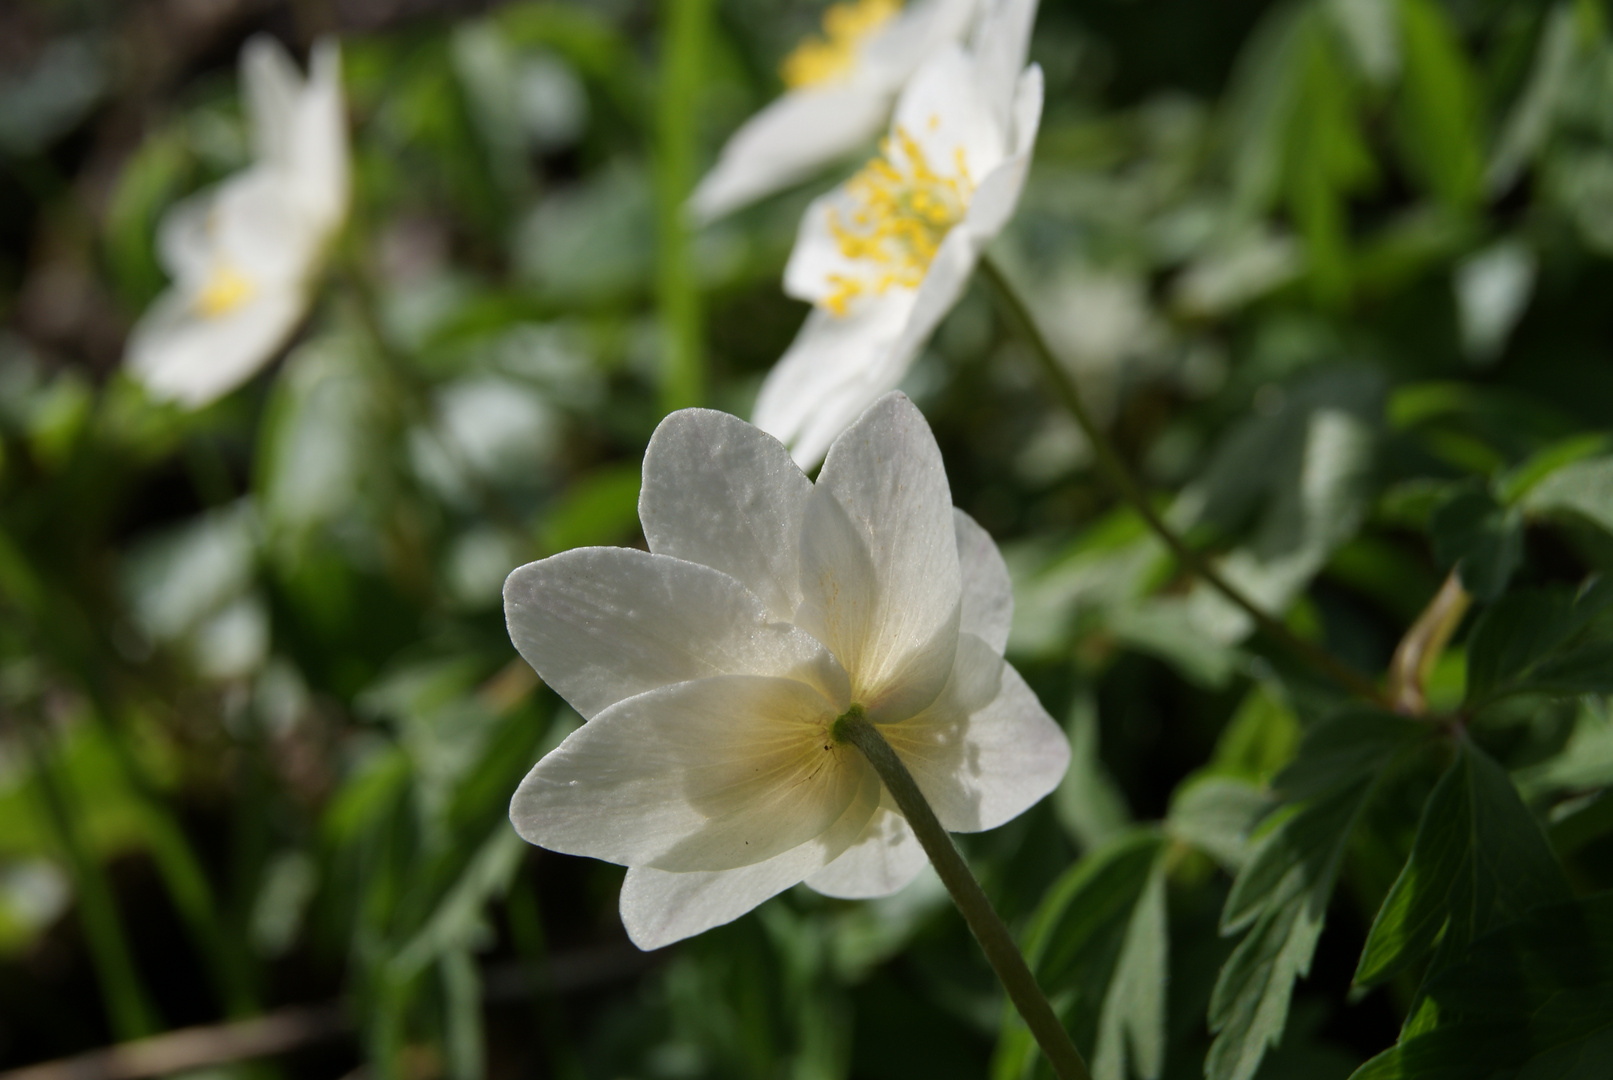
(711, 671)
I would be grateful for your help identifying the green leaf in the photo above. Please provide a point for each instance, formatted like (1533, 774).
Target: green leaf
(1478, 536)
(1551, 641)
(1531, 1001)
(599, 508)
(1088, 802)
(1582, 488)
(1134, 1008)
(1479, 860)
(1282, 895)
(1215, 815)
(1435, 113)
(1097, 945)
(1348, 747)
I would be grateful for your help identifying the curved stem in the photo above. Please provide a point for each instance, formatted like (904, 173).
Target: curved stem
(988, 929)
(1119, 475)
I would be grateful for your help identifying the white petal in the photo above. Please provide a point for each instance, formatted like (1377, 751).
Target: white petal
(180, 355)
(788, 141)
(257, 228)
(883, 860)
(184, 240)
(272, 86)
(704, 775)
(603, 624)
(834, 370)
(319, 165)
(879, 563)
(942, 109)
(816, 260)
(998, 194)
(988, 593)
(722, 493)
(661, 906)
(892, 54)
(987, 750)
(944, 283)
(1002, 38)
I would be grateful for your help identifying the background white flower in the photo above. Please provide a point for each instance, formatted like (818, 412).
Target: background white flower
(884, 256)
(242, 254)
(840, 90)
(711, 669)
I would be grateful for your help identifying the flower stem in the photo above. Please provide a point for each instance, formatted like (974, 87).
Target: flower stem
(988, 929)
(1119, 475)
(683, 46)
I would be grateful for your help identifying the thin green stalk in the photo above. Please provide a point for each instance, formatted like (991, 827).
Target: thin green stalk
(683, 45)
(988, 929)
(1119, 475)
(128, 1006)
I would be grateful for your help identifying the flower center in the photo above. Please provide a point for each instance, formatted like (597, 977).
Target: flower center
(845, 26)
(226, 289)
(904, 210)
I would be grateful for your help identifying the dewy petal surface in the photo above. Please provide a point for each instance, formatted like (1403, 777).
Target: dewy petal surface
(879, 562)
(720, 492)
(986, 751)
(988, 592)
(603, 624)
(705, 775)
(885, 858)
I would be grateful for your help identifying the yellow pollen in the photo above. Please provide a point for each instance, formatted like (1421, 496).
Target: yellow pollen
(226, 290)
(904, 210)
(845, 26)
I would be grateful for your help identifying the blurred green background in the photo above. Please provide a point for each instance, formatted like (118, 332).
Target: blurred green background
(1326, 269)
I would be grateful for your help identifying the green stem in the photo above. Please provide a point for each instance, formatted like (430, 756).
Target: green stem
(1119, 475)
(988, 929)
(682, 54)
(127, 1005)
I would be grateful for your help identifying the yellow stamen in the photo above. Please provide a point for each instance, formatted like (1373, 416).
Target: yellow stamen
(226, 290)
(845, 26)
(905, 209)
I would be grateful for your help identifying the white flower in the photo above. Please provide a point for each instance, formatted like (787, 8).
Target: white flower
(840, 87)
(711, 669)
(242, 254)
(885, 256)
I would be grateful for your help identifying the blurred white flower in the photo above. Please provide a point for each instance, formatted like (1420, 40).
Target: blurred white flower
(884, 256)
(840, 87)
(242, 254)
(712, 668)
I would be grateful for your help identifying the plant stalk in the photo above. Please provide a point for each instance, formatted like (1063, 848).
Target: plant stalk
(683, 45)
(1119, 476)
(988, 929)
(128, 1006)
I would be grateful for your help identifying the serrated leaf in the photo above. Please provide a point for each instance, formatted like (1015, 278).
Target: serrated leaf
(1215, 814)
(1479, 860)
(1097, 945)
(1282, 894)
(1134, 1008)
(1545, 640)
(1346, 748)
(1480, 538)
(1530, 1001)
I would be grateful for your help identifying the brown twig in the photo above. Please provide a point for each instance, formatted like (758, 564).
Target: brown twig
(298, 1026)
